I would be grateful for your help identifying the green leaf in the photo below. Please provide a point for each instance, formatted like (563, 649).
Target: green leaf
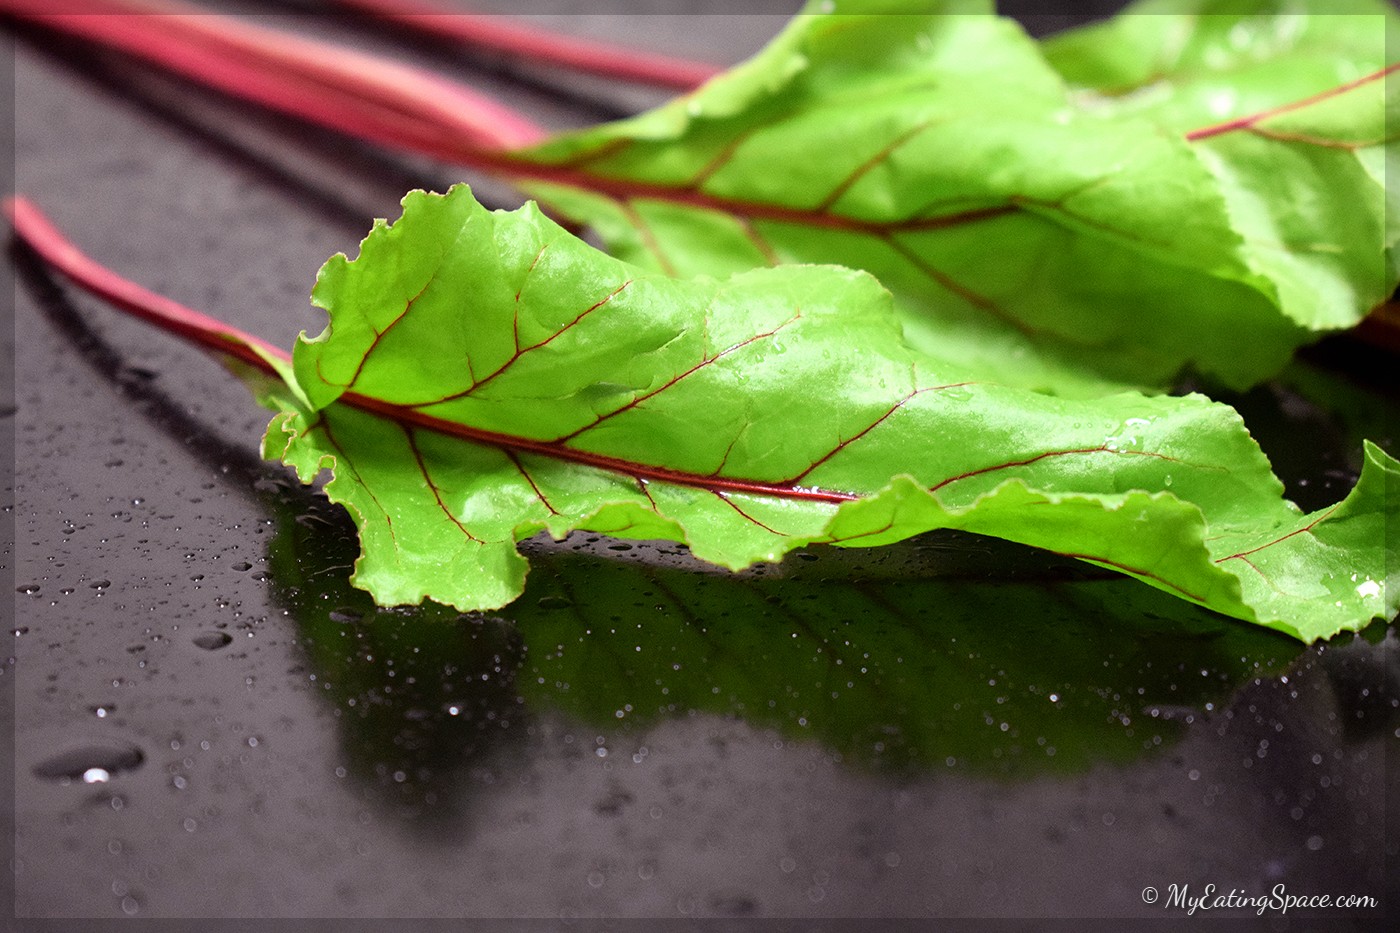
(1073, 224)
(486, 376)
(1315, 148)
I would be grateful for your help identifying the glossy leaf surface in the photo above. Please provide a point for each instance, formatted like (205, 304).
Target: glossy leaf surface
(520, 381)
(1074, 218)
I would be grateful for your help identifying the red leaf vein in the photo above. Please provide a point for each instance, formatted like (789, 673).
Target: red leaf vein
(539, 494)
(433, 486)
(724, 497)
(843, 444)
(706, 361)
(1102, 448)
(1297, 531)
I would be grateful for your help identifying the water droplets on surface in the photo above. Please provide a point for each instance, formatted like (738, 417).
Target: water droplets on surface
(212, 641)
(91, 764)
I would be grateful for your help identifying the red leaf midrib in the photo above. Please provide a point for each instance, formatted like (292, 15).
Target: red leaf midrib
(213, 334)
(687, 193)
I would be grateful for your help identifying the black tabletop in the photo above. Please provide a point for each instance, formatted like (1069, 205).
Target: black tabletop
(948, 728)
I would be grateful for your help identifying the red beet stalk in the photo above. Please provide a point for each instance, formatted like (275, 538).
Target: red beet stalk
(355, 93)
(40, 235)
(531, 43)
(35, 230)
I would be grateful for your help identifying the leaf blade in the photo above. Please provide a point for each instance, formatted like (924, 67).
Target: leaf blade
(1061, 223)
(744, 418)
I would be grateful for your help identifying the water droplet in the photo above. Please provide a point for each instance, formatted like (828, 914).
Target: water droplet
(212, 641)
(242, 565)
(555, 602)
(76, 763)
(29, 589)
(100, 584)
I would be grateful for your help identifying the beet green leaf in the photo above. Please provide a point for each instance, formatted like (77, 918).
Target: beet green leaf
(486, 376)
(1178, 188)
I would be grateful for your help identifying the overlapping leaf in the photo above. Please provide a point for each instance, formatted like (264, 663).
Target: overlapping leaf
(1070, 224)
(506, 378)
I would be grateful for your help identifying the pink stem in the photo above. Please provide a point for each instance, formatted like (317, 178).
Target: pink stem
(40, 235)
(345, 90)
(529, 43)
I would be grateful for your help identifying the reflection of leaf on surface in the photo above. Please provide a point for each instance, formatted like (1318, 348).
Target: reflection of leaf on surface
(889, 665)
(905, 659)
(420, 693)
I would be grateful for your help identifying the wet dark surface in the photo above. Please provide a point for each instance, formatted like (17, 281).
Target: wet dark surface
(210, 722)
